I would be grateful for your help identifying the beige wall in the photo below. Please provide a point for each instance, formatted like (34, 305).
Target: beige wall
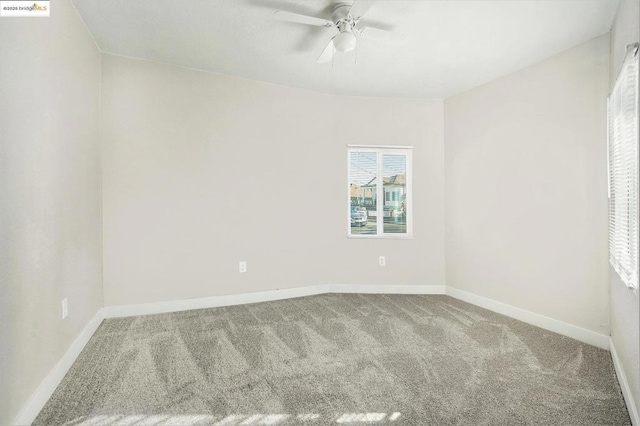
(201, 171)
(526, 188)
(50, 244)
(625, 310)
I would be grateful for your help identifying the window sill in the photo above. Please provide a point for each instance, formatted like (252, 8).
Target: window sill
(381, 237)
(630, 288)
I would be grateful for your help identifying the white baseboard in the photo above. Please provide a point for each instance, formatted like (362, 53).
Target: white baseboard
(30, 411)
(264, 296)
(557, 326)
(624, 386)
(386, 289)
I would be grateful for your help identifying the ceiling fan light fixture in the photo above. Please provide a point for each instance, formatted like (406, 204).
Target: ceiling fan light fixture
(345, 41)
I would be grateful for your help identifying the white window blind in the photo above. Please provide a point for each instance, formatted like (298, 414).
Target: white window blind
(623, 171)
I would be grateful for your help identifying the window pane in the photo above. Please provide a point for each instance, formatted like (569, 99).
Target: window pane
(394, 172)
(363, 167)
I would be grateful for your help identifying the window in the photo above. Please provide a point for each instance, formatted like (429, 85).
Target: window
(623, 171)
(379, 192)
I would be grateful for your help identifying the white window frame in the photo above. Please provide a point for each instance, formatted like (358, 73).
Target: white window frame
(380, 151)
(622, 150)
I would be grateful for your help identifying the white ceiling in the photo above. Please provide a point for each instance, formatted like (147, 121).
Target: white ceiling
(451, 45)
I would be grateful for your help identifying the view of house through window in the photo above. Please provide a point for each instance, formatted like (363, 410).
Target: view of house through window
(379, 195)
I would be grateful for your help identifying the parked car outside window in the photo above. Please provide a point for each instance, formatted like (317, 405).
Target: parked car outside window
(358, 216)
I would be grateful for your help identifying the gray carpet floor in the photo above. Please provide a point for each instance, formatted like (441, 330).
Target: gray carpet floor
(336, 359)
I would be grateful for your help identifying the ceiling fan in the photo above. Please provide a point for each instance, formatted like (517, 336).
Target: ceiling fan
(345, 18)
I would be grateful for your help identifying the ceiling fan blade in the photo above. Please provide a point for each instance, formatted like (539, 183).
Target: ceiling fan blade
(282, 15)
(327, 53)
(381, 35)
(360, 7)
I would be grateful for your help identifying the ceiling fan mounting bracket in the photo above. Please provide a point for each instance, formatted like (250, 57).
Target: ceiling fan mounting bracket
(342, 19)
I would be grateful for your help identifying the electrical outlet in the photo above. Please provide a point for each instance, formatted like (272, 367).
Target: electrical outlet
(382, 261)
(243, 267)
(65, 308)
